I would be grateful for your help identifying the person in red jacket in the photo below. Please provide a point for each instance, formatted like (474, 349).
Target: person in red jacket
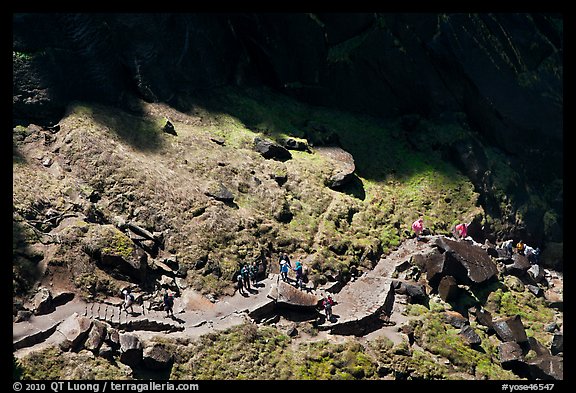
(417, 227)
(328, 302)
(461, 231)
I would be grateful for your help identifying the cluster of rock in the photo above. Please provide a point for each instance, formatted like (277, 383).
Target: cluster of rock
(341, 161)
(457, 269)
(79, 332)
(42, 302)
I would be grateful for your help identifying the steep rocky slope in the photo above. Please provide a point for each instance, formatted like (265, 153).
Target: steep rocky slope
(163, 151)
(501, 73)
(157, 199)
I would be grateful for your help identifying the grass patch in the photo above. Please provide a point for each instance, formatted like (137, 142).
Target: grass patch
(443, 340)
(53, 364)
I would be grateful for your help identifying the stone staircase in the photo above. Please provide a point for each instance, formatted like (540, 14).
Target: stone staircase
(144, 317)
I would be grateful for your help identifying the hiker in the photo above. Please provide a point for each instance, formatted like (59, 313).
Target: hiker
(461, 231)
(240, 283)
(253, 272)
(168, 303)
(328, 302)
(536, 255)
(417, 227)
(284, 270)
(532, 254)
(299, 274)
(128, 300)
(246, 277)
(285, 257)
(507, 246)
(520, 247)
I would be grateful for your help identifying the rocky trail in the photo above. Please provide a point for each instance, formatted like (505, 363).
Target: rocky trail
(369, 306)
(359, 304)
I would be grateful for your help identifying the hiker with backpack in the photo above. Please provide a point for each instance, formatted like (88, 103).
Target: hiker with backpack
(328, 302)
(299, 274)
(246, 277)
(284, 257)
(168, 303)
(240, 283)
(284, 268)
(520, 247)
(254, 273)
(532, 254)
(128, 300)
(508, 247)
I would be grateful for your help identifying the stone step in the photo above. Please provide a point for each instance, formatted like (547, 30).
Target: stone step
(142, 319)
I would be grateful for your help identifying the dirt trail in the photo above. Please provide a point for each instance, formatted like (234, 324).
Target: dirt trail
(195, 315)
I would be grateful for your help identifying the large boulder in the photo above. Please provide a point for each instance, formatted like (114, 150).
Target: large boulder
(106, 351)
(286, 294)
(511, 356)
(519, 266)
(448, 288)
(484, 317)
(510, 353)
(96, 336)
(74, 330)
(547, 367)
(455, 319)
(470, 336)
(115, 252)
(42, 302)
(130, 349)
(295, 144)
(536, 273)
(510, 329)
(416, 293)
(557, 345)
(156, 357)
(343, 166)
(434, 265)
(467, 263)
(271, 150)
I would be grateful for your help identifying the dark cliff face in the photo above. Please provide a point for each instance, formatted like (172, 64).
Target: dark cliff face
(503, 71)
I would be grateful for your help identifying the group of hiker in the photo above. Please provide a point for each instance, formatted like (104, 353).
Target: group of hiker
(286, 266)
(459, 231)
(521, 248)
(248, 274)
(167, 302)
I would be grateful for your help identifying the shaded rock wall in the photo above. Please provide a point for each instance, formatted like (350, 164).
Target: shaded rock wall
(503, 71)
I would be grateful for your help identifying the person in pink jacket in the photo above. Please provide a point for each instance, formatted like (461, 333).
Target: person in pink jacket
(461, 231)
(417, 227)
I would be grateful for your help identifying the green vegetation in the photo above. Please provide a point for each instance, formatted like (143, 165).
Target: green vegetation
(53, 364)
(119, 244)
(251, 352)
(161, 179)
(531, 309)
(439, 338)
(398, 183)
(24, 56)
